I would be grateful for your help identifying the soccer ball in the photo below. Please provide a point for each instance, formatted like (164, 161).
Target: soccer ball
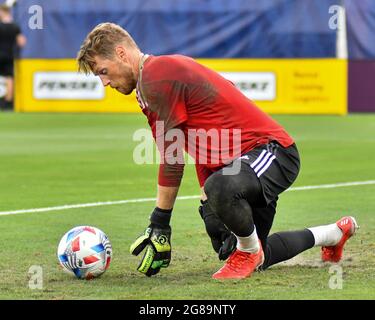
(85, 252)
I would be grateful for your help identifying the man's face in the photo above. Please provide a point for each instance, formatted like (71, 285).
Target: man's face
(5, 16)
(116, 73)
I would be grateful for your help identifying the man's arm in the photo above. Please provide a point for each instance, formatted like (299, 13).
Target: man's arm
(157, 236)
(166, 197)
(21, 40)
(171, 169)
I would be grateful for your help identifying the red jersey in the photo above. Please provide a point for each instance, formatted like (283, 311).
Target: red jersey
(219, 123)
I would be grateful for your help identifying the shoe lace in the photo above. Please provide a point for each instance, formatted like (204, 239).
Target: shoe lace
(238, 259)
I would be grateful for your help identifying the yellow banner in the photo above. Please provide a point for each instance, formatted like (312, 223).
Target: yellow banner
(301, 86)
(278, 86)
(48, 86)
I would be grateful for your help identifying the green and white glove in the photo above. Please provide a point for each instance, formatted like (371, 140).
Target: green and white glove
(157, 241)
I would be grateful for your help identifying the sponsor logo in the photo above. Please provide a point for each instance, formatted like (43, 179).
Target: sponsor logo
(260, 86)
(67, 86)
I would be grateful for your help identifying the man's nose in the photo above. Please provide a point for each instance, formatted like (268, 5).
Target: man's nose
(105, 81)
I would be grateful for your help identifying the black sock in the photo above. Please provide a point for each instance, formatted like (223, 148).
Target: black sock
(283, 246)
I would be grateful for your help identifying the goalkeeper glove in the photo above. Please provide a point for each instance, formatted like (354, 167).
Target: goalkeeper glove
(157, 241)
(223, 241)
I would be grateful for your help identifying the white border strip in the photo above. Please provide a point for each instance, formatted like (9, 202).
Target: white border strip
(110, 203)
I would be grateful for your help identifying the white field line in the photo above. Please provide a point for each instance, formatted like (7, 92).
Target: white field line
(110, 203)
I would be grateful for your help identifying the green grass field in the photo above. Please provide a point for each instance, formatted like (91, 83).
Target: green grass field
(51, 160)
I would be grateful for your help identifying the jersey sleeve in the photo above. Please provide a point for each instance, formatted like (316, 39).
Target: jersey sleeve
(17, 29)
(167, 99)
(170, 175)
(171, 168)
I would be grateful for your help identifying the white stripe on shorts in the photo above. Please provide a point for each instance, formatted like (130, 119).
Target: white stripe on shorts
(266, 166)
(263, 162)
(258, 159)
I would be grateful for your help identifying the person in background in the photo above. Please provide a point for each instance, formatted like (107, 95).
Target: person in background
(11, 38)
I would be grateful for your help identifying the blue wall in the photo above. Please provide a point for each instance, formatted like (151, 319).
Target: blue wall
(361, 28)
(198, 28)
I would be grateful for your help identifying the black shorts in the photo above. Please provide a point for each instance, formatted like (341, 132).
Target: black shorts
(6, 67)
(276, 168)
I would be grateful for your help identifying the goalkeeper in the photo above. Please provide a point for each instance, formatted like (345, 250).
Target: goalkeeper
(244, 159)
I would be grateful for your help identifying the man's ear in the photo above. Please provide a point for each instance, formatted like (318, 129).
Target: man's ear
(121, 53)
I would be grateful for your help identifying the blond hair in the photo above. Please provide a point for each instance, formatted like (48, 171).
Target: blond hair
(101, 41)
(4, 8)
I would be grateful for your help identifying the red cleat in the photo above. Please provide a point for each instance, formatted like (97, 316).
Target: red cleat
(240, 265)
(348, 226)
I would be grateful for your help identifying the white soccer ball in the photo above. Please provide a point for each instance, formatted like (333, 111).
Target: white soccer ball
(85, 252)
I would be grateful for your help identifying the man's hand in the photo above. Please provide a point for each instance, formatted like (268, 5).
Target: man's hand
(223, 241)
(157, 241)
